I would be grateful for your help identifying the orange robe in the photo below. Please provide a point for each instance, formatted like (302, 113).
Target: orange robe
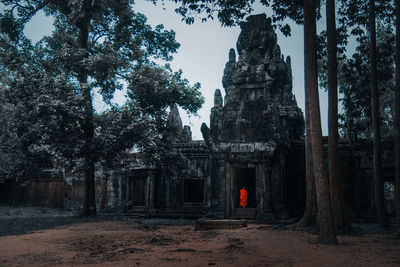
(243, 197)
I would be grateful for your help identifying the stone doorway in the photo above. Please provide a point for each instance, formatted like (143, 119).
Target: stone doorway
(193, 191)
(138, 189)
(246, 177)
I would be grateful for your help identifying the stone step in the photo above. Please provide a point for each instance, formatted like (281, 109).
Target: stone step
(220, 224)
(244, 213)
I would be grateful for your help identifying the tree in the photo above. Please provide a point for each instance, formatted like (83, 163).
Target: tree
(23, 154)
(95, 45)
(397, 115)
(327, 232)
(335, 183)
(310, 211)
(361, 15)
(353, 83)
(378, 182)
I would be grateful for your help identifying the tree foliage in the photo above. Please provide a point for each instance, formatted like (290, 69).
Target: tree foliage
(230, 13)
(42, 83)
(354, 79)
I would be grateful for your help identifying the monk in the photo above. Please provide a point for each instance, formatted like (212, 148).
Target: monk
(243, 197)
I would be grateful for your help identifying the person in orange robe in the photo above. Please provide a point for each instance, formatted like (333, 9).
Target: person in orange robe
(243, 197)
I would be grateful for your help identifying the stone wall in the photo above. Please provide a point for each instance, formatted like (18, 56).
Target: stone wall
(44, 192)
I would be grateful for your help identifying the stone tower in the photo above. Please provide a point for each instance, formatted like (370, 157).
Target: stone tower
(251, 131)
(259, 104)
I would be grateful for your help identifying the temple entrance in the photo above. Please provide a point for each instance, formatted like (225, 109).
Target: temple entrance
(138, 188)
(193, 190)
(246, 177)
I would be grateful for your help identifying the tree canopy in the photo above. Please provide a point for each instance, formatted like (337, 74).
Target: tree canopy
(44, 98)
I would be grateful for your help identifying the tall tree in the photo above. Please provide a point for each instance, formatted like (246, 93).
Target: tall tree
(378, 182)
(354, 84)
(335, 183)
(310, 210)
(95, 45)
(397, 114)
(327, 233)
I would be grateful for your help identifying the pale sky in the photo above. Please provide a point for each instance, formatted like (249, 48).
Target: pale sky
(203, 54)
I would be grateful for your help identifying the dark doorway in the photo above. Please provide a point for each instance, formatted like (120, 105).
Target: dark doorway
(246, 177)
(193, 190)
(138, 191)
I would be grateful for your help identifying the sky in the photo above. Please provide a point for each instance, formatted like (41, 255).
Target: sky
(203, 54)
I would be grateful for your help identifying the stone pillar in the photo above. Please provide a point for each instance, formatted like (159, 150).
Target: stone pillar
(150, 183)
(227, 189)
(112, 190)
(282, 182)
(128, 189)
(120, 200)
(267, 212)
(222, 189)
(207, 191)
(260, 188)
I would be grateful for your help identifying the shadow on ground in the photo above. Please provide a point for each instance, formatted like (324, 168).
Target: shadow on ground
(23, 220)
(19, 226)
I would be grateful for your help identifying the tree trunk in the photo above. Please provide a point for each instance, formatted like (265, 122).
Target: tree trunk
(378, 182)
(335, 183)
(89, 203)
(397, 115)
(327, 233)
(310, 212)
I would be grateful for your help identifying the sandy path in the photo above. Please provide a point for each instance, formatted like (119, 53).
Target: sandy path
(129, 244)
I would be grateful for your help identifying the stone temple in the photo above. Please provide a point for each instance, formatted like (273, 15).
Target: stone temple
(248, 142)
(255, 139)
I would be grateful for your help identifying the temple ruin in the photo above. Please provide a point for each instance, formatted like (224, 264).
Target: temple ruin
(255, 139)
(251, 135)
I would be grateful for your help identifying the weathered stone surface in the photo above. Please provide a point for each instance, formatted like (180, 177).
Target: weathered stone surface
(252, 130)
(259, 104)
(174, 121)
(218, 102)
(175, 131)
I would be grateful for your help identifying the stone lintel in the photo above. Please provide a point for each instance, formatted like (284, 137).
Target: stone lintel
(249, 147)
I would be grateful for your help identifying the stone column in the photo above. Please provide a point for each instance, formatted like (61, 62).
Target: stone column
(120, 200)
(112, 190)
(150, 183)
(222, 188)
(282, 183)
(228, 190)
(128, 189)
(267, 196)
(260, 187)
(207, 191)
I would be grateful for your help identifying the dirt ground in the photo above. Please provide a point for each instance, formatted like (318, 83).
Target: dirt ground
(121, 242)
